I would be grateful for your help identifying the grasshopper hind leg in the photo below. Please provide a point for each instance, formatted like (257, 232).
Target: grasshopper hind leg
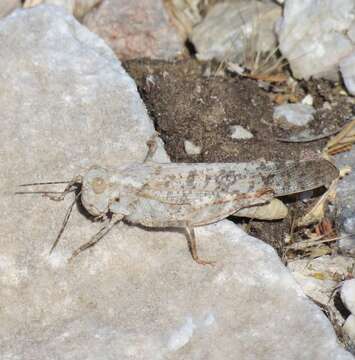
(191, 240)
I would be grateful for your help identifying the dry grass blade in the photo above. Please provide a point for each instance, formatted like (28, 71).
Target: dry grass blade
(304, 244)
(316, 213)
(185, 13)
(343, 141)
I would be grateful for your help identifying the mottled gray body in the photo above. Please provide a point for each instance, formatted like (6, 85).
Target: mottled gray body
(187, 195)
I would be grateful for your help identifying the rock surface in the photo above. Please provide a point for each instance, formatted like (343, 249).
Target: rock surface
(137, 294)
(235, 30)
(349, 327)
(136, 29)
(6, 6)
(347, 69)
(348, 295)
(312, 41)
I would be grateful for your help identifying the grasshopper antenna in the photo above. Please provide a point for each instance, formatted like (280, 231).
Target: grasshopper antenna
(45, 193)
(65, 222)
(46, 183)
(72, 186)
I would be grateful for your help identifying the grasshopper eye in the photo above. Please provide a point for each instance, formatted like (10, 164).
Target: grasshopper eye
(95, 195)
(99, 185)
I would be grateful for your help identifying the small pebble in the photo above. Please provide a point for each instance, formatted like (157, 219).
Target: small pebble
(294, 114)
(308, 100)
(238, 132)
(191, 148)
(326, 106)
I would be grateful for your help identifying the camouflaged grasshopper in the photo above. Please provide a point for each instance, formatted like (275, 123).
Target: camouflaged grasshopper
(182, 195)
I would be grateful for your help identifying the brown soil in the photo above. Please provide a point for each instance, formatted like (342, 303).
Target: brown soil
(188, 102)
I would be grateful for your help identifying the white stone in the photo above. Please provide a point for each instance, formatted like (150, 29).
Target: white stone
(308, 100)
(349, 327)
(231, 29)
(347, 294)
(313, 41)
(137, 294)
(238, 132)
(347, 69)
(191, 148)
(294, 114)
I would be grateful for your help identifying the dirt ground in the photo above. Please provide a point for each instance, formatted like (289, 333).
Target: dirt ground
(187, 100)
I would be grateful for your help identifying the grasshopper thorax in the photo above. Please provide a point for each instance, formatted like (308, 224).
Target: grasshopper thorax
(96, 191)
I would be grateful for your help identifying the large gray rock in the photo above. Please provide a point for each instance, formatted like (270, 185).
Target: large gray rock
(67, 103)
(136, 29)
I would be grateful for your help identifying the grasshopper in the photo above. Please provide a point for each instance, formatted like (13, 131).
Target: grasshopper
(184, 195)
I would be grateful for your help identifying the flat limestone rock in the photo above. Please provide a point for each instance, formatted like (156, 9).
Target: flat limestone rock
(67, 104)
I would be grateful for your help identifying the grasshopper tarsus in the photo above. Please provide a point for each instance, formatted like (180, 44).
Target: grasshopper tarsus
(65, 222)
(191, 239)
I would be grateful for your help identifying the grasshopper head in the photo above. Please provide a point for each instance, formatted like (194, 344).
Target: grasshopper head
(95, 193)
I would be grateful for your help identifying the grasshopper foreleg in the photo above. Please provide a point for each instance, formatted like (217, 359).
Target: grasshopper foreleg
(99, 235)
